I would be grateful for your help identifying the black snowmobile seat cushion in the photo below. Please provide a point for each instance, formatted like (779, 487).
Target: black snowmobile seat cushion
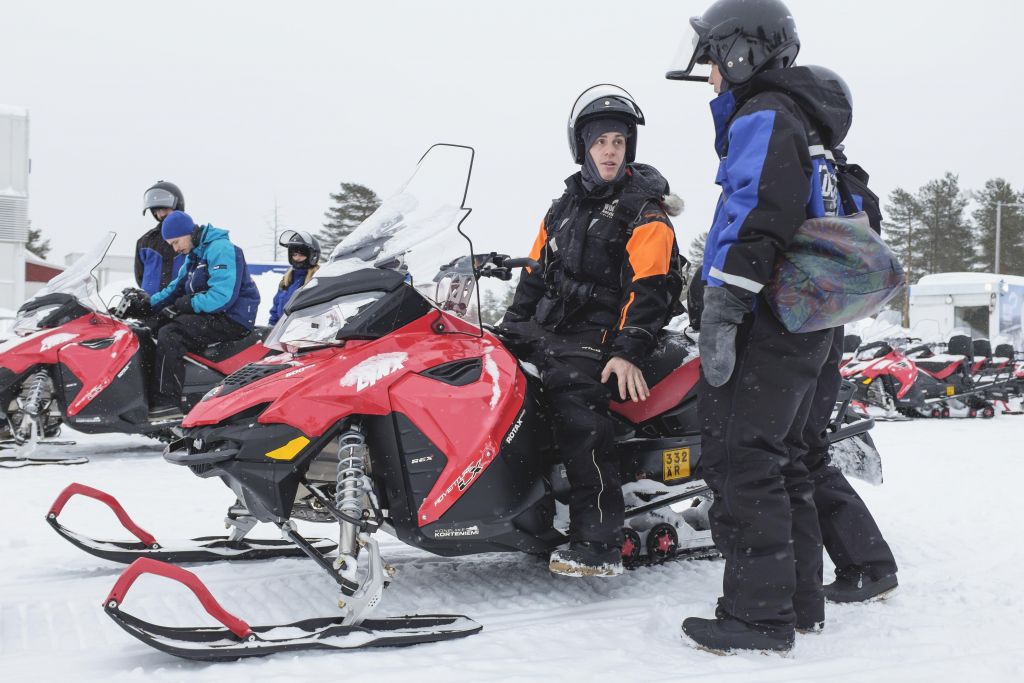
(960, 345)
(221, 351)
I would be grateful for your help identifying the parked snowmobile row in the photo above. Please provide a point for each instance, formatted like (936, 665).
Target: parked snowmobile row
(387, 407)
(961, 378)
(71, 360)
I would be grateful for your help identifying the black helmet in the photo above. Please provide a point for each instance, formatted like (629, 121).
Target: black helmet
(741, 36)
(163, 195)
(302, 241)
(823, 73)
(603, 101)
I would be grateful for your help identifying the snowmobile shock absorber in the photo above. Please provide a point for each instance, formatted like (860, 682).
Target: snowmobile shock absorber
(35, 397)
(350, 481)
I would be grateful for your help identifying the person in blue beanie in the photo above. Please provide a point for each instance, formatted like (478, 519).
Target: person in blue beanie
(304, 259)
(211, 299)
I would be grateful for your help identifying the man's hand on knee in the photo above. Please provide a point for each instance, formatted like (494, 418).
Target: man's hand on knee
(631, 380)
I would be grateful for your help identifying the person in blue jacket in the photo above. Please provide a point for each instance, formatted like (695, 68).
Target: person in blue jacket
(211, 299)
(758, 379)
(304, 261)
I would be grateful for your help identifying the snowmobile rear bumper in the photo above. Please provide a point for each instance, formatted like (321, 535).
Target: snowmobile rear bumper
(237, 639)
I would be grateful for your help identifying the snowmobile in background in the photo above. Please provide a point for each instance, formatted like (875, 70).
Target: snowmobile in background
(392, 409)
(916, 381)
(70, 360)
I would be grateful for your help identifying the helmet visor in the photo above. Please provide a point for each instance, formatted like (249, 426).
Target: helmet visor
(299, 238)
(158, 198)
(597, 92)
(691, 60)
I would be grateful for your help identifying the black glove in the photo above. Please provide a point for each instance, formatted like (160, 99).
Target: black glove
(135, 303)
(183, 303)
(722, 314)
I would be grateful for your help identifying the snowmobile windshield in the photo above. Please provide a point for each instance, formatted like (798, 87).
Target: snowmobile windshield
(79, 280)
(417, 233)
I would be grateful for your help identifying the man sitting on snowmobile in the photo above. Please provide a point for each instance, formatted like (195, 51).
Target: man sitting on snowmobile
(608, 277)
(304, 259)
(212, 299)
(155, 261)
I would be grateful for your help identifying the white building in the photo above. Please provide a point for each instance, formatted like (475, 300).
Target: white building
(981, 305)
(14, 170)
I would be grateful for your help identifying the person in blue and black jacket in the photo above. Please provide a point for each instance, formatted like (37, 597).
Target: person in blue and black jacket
(211, 299)
(155, 260)
(304, 261)
(759, 380)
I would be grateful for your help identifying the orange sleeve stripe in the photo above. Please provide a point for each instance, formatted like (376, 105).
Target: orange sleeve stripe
(538, 245)
(622, 318)
(650, 250)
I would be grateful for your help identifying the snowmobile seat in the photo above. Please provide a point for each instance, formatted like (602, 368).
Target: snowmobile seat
(941, 365)
(982, 348)
(960, 345)
(1005, 351)
(221, 351)
(672, 351)
(851, 343)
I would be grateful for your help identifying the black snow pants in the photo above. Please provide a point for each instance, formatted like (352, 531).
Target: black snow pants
(570, 366)
(187, 332)
(763, 518)
(849, 532)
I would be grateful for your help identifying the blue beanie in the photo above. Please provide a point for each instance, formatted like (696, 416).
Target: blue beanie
(176, 224)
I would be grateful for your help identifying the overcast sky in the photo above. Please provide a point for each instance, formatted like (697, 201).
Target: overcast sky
(242, 103)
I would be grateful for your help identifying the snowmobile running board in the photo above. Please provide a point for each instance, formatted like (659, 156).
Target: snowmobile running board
(237, 639)
(202, 549)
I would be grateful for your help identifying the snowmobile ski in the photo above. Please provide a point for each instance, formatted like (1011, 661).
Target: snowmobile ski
(237, 639)
(24, 454)
(201, 549)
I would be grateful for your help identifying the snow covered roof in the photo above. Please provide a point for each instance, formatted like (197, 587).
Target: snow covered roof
(968, 278)
(12, 110)
(32, 258)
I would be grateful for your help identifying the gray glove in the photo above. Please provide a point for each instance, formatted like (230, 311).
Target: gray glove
(723, 312)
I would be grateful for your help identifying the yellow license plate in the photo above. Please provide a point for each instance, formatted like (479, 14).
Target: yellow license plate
(676, 464)
(950, 390)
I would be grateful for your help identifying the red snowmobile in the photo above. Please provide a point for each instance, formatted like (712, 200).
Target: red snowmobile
(917, 382)
(391, 410)
(71, 360)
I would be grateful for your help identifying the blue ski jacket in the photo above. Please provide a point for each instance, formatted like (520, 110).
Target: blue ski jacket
(155, 261)
(774, 137)
(216, 279)
(294, 280)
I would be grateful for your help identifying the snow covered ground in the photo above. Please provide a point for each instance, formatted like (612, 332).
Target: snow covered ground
(950, 508)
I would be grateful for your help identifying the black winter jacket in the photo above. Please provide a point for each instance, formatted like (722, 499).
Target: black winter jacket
(609, 263)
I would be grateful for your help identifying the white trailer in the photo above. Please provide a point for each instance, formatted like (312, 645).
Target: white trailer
(980, 305)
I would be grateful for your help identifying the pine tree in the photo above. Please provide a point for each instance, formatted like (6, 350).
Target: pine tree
(950, 242)
(904, 232)
(493, 306)
(1011, 238)
(353, 203)
(36, 244)
(695, 255)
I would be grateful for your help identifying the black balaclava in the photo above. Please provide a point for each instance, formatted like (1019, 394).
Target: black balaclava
(592, 130)
(298, 266)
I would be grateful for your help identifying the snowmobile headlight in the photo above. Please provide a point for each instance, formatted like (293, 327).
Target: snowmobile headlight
(319, 325)
(30, 322)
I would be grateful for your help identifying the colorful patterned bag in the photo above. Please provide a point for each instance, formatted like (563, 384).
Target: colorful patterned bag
(836, 271)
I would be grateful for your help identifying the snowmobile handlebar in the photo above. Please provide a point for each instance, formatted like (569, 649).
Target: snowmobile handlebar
(501, 265)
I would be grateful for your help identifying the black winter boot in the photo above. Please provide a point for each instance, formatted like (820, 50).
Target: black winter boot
(860, 588)
(724, 636)
(587, 558)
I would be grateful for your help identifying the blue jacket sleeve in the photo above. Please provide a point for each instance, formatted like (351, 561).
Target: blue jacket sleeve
(277, 308)
(765, 180)
(223, 278)
(172, 291)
